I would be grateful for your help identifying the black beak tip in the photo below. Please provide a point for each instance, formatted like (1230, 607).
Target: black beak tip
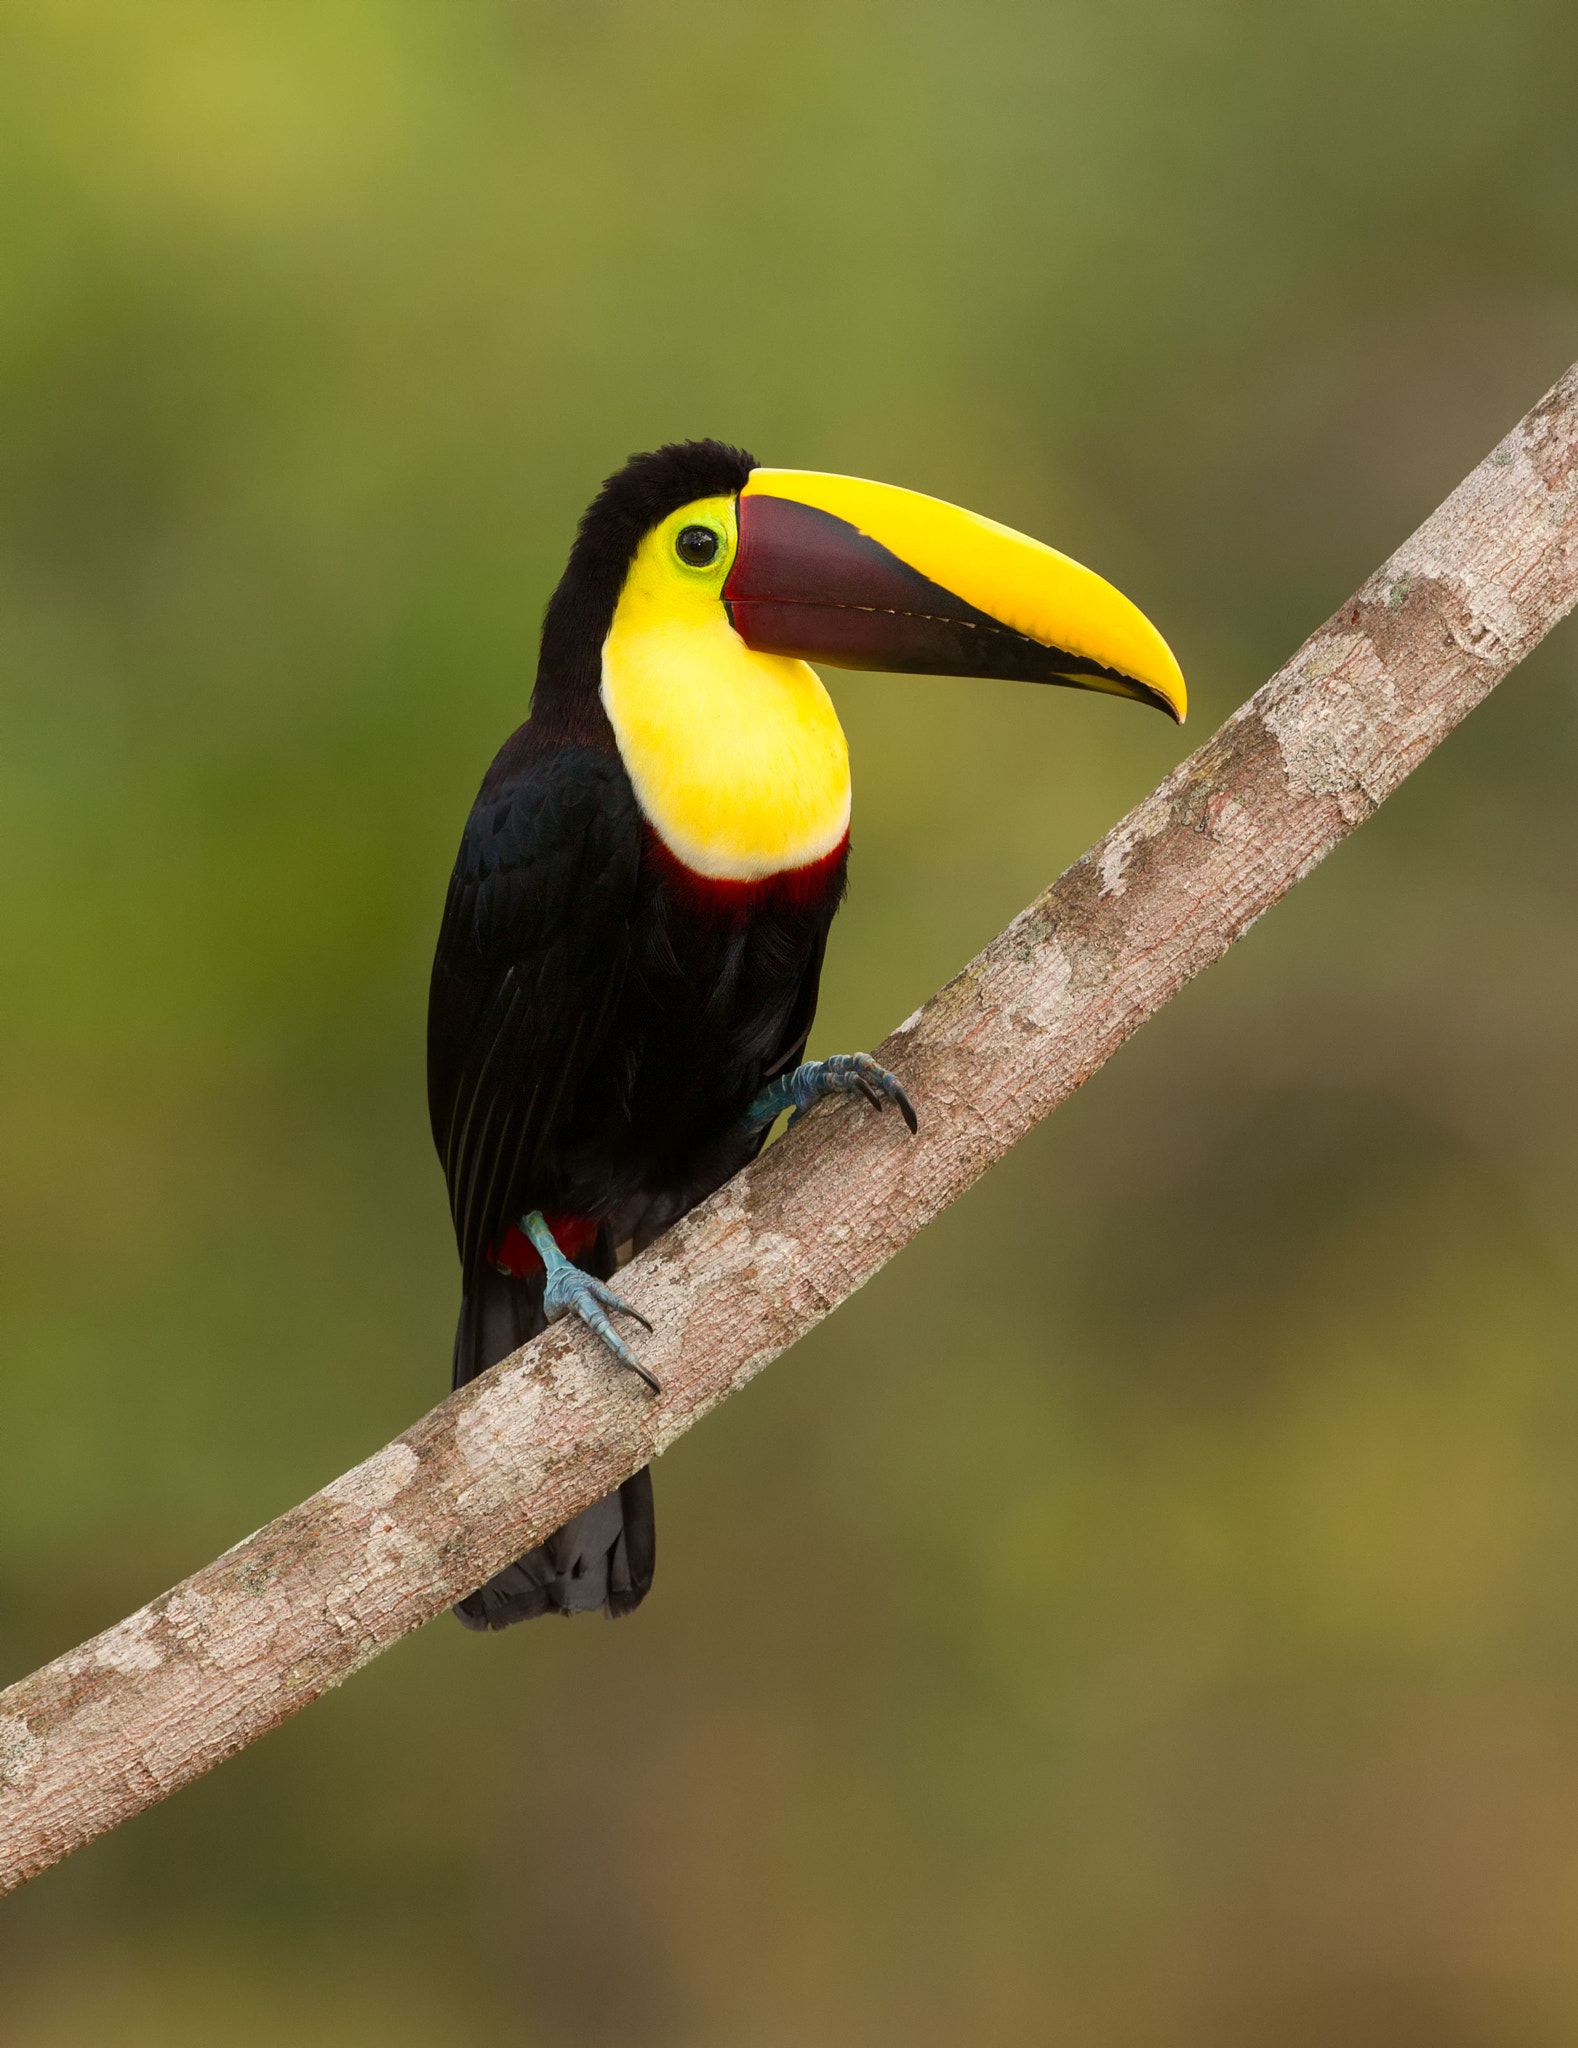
(1147, 695)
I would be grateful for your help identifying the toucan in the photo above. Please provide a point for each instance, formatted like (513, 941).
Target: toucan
(632, 940)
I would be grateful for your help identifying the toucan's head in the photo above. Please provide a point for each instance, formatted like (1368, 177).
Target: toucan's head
(700, 585)
(853, 574)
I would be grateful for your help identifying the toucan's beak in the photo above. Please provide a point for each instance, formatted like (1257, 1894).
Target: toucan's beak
(862, 575)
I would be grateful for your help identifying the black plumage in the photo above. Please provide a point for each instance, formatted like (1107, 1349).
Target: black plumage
(599, 1020)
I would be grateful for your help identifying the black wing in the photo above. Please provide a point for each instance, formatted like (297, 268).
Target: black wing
(531, 960)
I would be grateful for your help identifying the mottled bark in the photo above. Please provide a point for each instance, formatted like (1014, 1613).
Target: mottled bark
(193, 1677)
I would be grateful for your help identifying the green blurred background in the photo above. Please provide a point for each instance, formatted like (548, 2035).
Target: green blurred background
(1178, 1645)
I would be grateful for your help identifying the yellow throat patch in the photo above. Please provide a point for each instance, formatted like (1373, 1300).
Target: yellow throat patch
(738, 760)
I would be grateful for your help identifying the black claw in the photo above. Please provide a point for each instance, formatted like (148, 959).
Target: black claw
(880, 1088)
(604, 1331)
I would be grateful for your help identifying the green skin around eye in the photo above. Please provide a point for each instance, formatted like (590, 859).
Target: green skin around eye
(716, 519)
(662, 551)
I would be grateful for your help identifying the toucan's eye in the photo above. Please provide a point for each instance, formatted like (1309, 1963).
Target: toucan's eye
(696, 546)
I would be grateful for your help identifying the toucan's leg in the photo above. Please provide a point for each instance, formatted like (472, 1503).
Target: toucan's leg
(568, 1290)
(846, 1073)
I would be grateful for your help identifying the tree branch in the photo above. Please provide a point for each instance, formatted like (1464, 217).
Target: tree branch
(190, 1679)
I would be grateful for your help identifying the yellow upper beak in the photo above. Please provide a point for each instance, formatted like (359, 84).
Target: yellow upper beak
(864, 575)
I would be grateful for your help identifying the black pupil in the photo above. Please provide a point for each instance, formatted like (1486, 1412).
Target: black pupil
(697, 545)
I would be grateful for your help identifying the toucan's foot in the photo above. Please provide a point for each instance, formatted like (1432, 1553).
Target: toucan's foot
(569, 1291)
(573, 1292)
(846, 1073)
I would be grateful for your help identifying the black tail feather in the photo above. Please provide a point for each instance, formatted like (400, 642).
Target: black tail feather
(604, 1558)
